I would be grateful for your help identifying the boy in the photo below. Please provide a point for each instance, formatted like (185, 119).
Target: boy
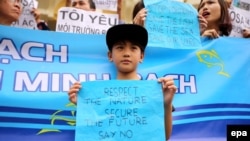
(126, 44)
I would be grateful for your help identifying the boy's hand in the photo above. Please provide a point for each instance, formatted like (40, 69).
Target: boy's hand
(72, 93)
(168, 88)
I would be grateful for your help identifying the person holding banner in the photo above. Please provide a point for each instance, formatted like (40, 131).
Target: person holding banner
(126, 44)
(10, 11)
(217, 16)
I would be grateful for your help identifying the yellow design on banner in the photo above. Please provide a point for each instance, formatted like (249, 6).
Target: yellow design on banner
(55, 116)
(211, 59)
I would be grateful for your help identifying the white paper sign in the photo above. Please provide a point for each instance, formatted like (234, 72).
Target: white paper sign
(240, 20)
(72, 20)
(106, 4)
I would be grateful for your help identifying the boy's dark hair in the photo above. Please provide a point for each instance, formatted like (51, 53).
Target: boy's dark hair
(131, 32)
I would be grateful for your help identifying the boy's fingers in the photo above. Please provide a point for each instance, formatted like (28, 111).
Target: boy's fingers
(173, 87)
(73, 91)
(72, 98)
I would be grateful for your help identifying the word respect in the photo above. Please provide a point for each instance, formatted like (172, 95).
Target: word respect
(121, 91)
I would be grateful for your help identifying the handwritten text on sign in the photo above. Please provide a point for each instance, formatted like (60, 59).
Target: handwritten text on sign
(106, 4)
(172, 24)
(240, 20)
(120, 110)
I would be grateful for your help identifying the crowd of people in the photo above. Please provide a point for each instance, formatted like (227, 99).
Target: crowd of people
(214, 22)
(213, 15)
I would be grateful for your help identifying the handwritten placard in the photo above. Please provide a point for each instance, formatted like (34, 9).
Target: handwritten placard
(150, 2)
(73, 20)
(240, 20)
(172, 24)
(120, 110)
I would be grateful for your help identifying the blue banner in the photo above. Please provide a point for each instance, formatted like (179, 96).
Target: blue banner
(37, 69)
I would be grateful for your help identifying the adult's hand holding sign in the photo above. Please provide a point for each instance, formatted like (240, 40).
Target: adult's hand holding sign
(120, 110)
(106, 4)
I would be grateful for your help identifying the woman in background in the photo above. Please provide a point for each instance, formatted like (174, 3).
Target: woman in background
(217, 16)
(10, 11)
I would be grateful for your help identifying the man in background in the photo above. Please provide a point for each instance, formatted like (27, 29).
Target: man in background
(87, 5)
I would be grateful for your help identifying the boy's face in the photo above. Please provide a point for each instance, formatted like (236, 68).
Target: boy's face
(126, 56)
